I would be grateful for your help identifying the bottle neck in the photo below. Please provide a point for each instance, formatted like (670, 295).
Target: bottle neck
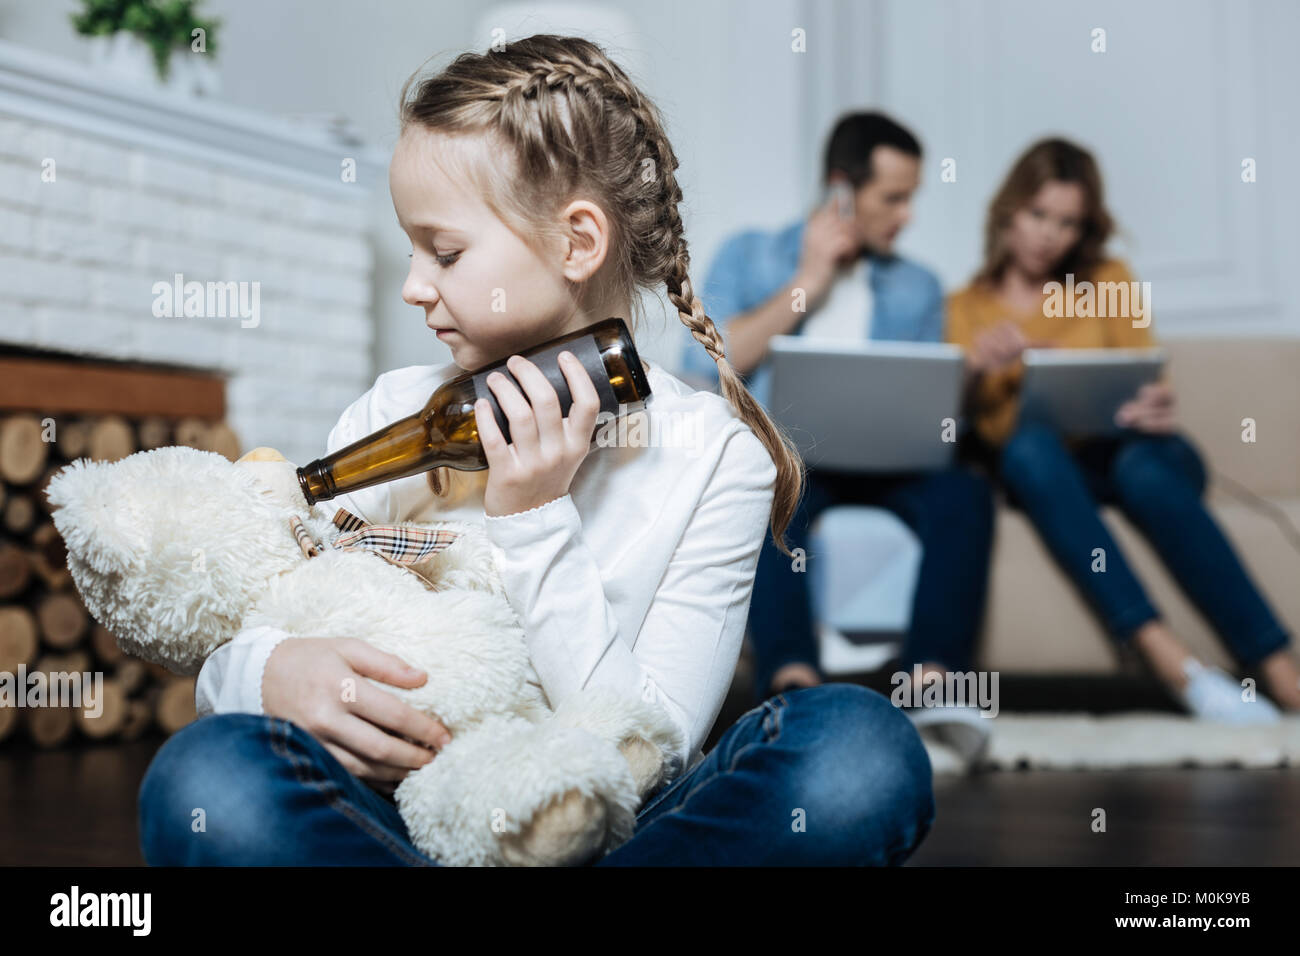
(396, 451)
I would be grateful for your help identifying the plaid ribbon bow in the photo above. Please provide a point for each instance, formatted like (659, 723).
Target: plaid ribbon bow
(397, 545)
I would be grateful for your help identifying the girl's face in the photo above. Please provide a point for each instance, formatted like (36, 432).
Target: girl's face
(484, 291)
(1046, 228)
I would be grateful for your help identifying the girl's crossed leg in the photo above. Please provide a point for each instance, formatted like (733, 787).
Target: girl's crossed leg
(826, 775)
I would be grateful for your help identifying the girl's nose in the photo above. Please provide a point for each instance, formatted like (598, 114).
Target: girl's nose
(417, 291)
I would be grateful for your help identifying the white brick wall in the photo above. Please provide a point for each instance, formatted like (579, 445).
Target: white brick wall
(79, 258)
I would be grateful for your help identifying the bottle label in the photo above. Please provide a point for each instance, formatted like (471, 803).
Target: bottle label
(547, 361)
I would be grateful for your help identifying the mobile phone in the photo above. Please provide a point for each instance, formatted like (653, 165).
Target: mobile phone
(842, 193)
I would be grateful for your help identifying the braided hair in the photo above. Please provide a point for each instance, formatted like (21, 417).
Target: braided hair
(562, 119)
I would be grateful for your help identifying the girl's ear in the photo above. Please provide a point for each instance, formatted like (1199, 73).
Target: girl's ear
(587, 233)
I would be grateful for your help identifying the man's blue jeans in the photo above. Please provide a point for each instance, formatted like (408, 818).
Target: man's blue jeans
(828, 775)
(1157, 481)
(950, 511)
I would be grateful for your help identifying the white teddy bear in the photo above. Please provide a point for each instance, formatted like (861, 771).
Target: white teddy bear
(176, 550)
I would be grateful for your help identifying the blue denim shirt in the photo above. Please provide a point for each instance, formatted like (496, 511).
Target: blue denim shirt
(753, 265)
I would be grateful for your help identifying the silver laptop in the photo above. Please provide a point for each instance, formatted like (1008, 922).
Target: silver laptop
(867, 406)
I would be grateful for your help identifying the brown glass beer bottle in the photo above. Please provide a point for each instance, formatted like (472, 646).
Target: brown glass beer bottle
(444, 433)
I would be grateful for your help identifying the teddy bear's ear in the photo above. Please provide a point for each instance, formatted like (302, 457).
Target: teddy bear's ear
(96, 514)
(277, 481)
(277, 478)
(260, 453)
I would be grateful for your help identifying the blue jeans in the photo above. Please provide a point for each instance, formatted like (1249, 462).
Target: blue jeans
(1157, 481)
(829, 775)
(950, 511)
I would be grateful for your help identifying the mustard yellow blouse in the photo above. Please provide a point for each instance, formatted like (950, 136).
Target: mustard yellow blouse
(1101, 317)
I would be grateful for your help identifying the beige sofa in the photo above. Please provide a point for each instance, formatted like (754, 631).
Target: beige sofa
(1038, 623)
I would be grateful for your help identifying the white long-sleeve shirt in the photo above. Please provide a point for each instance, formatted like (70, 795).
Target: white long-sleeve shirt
(638, 578)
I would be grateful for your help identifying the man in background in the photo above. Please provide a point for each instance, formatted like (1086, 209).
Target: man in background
(854, 288)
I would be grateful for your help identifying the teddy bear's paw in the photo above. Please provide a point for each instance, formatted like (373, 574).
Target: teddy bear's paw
(642, 731)
(646, 761)
(568, 832)
(506, 792)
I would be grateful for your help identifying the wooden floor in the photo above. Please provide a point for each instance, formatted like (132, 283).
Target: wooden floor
(1153, 818)
(78, 807)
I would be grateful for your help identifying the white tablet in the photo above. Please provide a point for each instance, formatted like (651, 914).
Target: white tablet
(1078, 391)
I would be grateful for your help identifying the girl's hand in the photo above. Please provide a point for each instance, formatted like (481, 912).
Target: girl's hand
(1152, 410)
(545, 450)
(304, 682)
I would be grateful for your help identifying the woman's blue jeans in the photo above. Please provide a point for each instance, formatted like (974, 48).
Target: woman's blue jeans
(1157, 481)
(827, 775)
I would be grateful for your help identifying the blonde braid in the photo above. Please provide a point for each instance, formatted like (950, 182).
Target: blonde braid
(791, 470)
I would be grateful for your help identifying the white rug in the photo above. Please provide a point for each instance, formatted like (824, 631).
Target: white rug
(1079, 741)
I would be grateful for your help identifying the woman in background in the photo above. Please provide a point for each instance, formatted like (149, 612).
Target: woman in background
(1049, 220)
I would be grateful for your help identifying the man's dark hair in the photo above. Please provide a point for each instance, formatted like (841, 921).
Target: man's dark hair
(854, 138)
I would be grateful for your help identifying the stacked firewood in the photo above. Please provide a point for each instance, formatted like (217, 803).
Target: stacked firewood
(44, 626)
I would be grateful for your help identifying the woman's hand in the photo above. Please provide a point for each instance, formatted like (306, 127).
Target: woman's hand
(995, 348)
(545, 450)
(368, 729)
(1152, 410)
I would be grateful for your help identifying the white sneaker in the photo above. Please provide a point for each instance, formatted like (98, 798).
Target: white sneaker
(959, 727)
(1211, 694)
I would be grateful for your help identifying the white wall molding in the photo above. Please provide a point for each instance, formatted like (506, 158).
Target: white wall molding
(1178, 100)
(844, 70)
(54, 90)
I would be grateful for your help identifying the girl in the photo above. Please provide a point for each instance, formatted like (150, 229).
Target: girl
(537, 186)
(1048, 220)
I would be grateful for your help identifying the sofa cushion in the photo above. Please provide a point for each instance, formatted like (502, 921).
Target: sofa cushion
(1220, 382)
(1038, 622)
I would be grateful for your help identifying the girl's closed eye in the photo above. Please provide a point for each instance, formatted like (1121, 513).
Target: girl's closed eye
(445, 261)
